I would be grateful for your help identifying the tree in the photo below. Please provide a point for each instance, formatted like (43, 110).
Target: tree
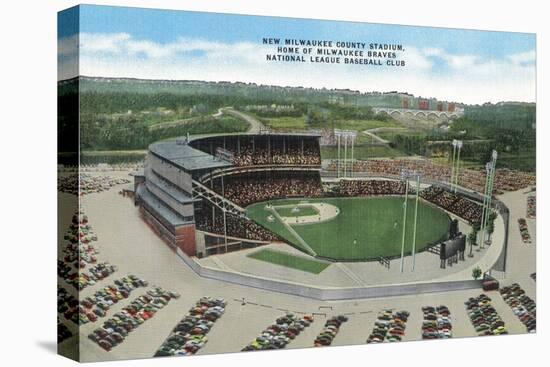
(491, 225)
(472, 238)
(476, 272)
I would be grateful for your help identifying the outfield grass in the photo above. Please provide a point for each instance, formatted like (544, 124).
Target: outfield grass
(365, 228)
(289, 260)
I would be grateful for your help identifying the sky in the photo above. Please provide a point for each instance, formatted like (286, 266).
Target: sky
(449, 64)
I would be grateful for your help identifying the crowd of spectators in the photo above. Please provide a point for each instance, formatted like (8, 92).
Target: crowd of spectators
(236, 226)
(474, 179)
(458, 205)
(371, 187)
(293, 156)
(245, 190)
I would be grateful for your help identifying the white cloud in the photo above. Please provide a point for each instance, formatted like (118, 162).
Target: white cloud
(432, 51)
(416, 59)
(469, 79)
(523, 57)
(122, 44)
(452, 60)
(103, 42)
(461, 61)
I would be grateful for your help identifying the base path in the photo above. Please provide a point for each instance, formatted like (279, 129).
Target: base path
(292, 231)
(324, 211)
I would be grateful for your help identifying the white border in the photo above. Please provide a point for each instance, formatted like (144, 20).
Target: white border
(29, 67)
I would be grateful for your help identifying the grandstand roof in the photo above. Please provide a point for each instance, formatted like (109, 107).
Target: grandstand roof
(270, 133)
(186, 157)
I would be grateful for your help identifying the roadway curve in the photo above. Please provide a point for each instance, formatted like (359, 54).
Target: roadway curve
(372, 133)
(255, 125)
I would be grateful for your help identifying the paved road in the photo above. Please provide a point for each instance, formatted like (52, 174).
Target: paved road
(255, 124)
(372, 133)
(375, 137)
(162, 125)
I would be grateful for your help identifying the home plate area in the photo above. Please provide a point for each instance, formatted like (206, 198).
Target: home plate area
(306, 213)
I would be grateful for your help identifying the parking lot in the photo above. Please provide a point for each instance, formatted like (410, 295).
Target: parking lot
(126, 242)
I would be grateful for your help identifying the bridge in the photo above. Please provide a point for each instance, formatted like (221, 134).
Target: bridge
(419, 113)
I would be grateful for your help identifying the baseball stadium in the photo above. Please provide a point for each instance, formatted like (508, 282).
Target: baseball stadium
(235, 201)
(210, 201)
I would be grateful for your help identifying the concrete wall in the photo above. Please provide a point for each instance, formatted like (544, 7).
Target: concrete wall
(326, 294)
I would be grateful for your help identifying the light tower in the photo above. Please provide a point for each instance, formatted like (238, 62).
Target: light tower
(415, 219)
(338, 161)
(489, 194)
(406, 175)
(404, 223)
(345, 154)
(348, 137)
(451, 180)
(488, 168)
(457, 172)
(224, 210)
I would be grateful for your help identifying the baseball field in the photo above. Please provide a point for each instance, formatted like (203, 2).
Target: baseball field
(364, 228)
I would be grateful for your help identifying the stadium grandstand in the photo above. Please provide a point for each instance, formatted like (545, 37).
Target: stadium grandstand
(204, 183)
(194, 192)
